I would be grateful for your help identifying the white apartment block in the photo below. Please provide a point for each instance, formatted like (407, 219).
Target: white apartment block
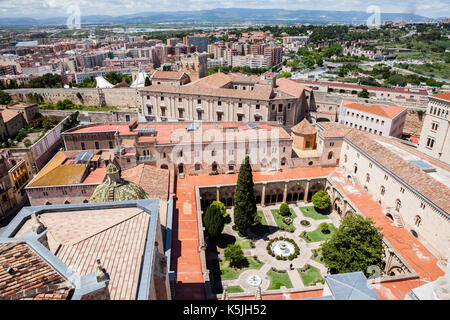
(214, 63)
(435, 136)
(258, 61)
(380, 120)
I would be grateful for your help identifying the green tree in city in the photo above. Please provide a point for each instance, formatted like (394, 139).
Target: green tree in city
(363, 94)
(113, 77)
(321, 200)
(284, 210)
(356, 245)
(244, 197)
(214, 220)
(234, 254)
(5, 98)
(147, 81)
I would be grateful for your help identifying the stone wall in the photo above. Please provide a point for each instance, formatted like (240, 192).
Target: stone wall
(413, 123)
(120, 97)
(97, 116)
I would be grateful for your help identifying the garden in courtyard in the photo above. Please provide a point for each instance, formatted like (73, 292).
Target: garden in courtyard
(278, 247)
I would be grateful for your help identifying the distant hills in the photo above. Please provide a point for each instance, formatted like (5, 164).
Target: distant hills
(229, 15)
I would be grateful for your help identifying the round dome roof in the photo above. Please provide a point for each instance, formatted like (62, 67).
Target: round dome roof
(125, 191)
(112, 168)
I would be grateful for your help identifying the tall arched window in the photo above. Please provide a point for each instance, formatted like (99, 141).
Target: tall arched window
(417, 221)
(367, 178)
(345, 158)
(330, 155)
(382, 190)
(398, 205)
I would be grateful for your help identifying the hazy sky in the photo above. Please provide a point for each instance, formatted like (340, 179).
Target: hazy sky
(48, 8)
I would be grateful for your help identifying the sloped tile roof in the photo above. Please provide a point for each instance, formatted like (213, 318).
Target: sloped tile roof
(383, 111)
(304, 127)
(443, 96)
(435, 191)
(168, 75)
(31, 278)
(291, 87)
(153, 180)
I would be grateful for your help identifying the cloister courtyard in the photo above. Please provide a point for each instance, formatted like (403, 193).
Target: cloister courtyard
(305, 270)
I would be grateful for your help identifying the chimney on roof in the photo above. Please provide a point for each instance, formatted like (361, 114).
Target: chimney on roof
(101, 272)
(37, 225)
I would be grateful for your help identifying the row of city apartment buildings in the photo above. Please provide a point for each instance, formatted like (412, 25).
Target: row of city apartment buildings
(411, 195)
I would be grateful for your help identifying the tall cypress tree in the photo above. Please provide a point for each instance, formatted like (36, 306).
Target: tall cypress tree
(244, 197)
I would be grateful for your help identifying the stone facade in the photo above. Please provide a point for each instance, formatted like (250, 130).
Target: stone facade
(222, 97)
(49, 195)
(435, 136)
(195, 65)
(401, 203)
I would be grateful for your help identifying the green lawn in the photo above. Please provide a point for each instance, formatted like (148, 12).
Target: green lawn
(226, 239)
(261, 228)
(227, 272)
(279, 219)
(245, 244)
(235, 289)
(230, 273)
(278, 279)
(311, 212)
(319, 258)
(252, 264)
(318, 235)
(311, 276)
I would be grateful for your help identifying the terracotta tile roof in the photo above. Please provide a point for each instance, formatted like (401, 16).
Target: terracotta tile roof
(153, 180)
(291, 87)
(168, 75)
(433, 190)
(216, 80)
(443, 96)
(258, 93)
(304, 127)
(32, 277)
(120, 249)
(9, 114)
(334, 130)
(96, 176)
(383, 111)
(115, 236)
(164, 130)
